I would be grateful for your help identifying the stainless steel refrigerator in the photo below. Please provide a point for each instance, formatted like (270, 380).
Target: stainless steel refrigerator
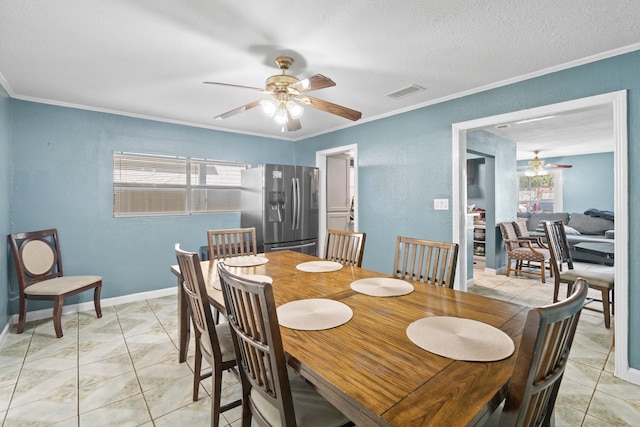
(281, 202)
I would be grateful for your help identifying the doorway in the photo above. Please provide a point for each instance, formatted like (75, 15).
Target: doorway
(321, 164)
(618, 100)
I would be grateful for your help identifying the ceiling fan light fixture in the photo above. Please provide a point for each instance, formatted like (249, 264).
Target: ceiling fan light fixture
(268, 107)
(296, 110)
(281, 116)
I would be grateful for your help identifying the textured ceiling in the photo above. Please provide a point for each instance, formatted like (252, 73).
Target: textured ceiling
(148, 58)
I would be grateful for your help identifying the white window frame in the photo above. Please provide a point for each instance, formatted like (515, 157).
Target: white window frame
(557, 189)
(173, 183)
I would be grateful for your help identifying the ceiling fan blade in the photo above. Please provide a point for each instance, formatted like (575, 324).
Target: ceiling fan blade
(558, 166)
(332, 108)
(232, 85)
(292, 124)
(313, 83)
(237, 110)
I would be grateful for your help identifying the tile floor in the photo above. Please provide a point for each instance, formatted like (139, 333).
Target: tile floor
(123, 370)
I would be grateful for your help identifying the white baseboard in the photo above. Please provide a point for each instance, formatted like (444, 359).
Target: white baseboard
(84, 306)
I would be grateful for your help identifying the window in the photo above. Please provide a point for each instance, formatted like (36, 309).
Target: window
(162, 185)
(540, 193)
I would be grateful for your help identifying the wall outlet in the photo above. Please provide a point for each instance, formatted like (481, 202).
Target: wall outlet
(441, 204)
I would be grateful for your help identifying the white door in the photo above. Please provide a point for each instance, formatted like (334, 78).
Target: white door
(339, 192)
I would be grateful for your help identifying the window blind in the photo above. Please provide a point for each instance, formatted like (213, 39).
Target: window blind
(146, 184)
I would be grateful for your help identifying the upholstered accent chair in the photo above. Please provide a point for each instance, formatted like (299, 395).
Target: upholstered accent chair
(521, 253)
(38, 262)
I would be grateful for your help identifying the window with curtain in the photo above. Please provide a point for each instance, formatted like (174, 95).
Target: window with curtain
(146, 184)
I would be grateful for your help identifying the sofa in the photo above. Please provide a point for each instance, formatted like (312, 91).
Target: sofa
(591, 226)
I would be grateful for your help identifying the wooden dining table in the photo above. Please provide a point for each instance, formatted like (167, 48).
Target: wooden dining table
(368, 368)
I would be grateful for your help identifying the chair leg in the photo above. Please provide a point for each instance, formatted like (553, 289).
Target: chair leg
(197, 371)
(543, 272)
(605, 308)
(556, 289)
(23, 314)
(57, 315)
(216, 379)
(613, 302)
(96, 300)
(509, 267)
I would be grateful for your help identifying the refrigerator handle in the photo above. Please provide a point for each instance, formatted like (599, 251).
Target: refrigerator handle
(299, 205)
(294, 210)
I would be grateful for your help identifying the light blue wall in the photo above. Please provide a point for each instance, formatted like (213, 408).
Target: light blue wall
(476, 189)
(5, 201)
(501, 191)
(63, 178)
(405, 160)
(588, 184)
(401, 168)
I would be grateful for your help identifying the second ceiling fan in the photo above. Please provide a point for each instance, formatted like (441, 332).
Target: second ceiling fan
(289, 97)
(537, 166)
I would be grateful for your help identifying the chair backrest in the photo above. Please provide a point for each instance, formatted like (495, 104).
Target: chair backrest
(36, 255)
(509, 236)
(426, 261)
(251, 311)
(558, 245)
(345, 247)
(195, 293)
(232, 242)
(541, 360)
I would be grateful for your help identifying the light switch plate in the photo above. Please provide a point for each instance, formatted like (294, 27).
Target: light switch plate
(441, 204)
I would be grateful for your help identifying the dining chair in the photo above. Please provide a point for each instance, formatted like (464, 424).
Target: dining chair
(228, 243)
(521, 250)
(272, 395)
(38, 263)
(345, 247)
(426, 261)
(540, 362)
(213, 342)
(602, 281)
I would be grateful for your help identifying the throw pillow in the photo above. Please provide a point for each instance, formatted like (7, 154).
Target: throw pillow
(521, 228)
(571, 230)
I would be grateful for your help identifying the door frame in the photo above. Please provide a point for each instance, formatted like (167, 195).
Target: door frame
(619, 102)
(321, 164)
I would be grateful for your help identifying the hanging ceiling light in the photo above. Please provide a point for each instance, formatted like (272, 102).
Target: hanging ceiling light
(268, 107)
(295, 109)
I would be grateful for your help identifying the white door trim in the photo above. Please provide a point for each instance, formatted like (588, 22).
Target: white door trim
(321, 164)
(619, 101)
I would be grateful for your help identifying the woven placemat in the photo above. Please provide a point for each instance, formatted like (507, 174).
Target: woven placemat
(313, 314)
(460, 339)
(319, 266)
(382, 286)
(245, 261)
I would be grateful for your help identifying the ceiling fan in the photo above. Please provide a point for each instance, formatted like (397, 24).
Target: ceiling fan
(537, 166)
(288, 97)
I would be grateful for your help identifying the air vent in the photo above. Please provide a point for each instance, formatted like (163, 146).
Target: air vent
(409, 90)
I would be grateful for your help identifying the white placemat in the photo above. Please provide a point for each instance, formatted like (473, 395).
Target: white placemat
(313, 314)
(245, 261)
(382, 286)
(319, 266)
(255, 277)
(460, 339)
